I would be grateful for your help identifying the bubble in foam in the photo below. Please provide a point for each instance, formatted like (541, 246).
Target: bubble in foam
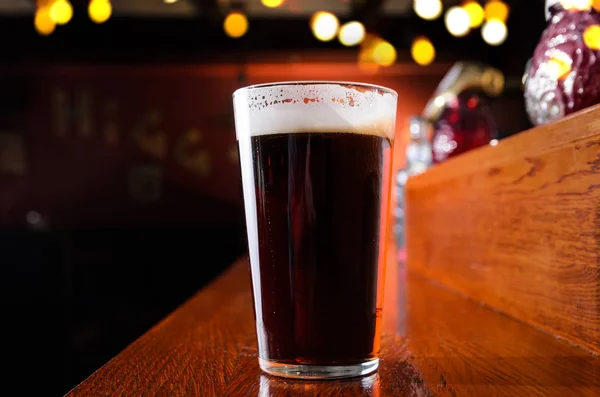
(315, 107)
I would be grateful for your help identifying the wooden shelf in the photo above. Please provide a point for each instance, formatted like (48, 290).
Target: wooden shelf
(517, 226)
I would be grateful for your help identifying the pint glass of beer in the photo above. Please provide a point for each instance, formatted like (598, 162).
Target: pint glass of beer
(316, 165)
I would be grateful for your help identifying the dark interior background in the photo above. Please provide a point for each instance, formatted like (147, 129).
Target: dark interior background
(120, 193)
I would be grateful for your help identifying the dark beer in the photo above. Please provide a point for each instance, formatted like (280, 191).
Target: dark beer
(321, 202)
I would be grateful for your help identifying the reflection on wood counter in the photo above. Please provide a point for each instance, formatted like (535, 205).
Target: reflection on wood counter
(435, 342)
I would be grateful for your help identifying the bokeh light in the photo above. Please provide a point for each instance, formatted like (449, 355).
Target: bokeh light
(579, 5)
(100, 11)
(370, 41)
(324, 25)
(44, 25)
(235, 24)
(476, 13)
(457, 21)
(496, 9)
(557, 68)
(365, 56)
(494, 32)
(428, 9)
(272, 3)
(61, 12)
(422, 51)
(384, 53)
(351, 33)
(367, 61)
(591, 37)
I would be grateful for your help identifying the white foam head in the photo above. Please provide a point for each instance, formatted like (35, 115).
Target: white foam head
(305, 107)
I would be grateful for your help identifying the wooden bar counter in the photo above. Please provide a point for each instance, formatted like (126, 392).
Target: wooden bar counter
(449, 329)
(436, 342)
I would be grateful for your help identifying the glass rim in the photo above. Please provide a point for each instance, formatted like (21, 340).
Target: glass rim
(367, 86)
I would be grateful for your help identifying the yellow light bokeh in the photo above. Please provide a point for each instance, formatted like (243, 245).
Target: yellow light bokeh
(476, 13)
(324, 25)
(352, 33)
(422, 51)
(42, 22)
(576, 5)
(366, 63)
(457, 21)
(384, 53)
(100, 10)
(496, 9)
(61, 12)
(557, 68)
(494, 32)
(428, 9)
(272, 3)
(591, 37)
(370, 41)
(596, 5)
(235, 24)
(170, 1)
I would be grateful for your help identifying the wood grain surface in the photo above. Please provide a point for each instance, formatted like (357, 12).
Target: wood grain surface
(436, 343)
(517, 226)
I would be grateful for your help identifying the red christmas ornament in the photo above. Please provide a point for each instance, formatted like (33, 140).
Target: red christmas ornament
(465, 124)
(562, 76)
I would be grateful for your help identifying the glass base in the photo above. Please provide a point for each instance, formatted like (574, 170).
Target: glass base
(307, 371)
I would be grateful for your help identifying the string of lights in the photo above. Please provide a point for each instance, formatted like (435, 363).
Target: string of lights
(460, 20)
(51, 13)
(460, 17)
